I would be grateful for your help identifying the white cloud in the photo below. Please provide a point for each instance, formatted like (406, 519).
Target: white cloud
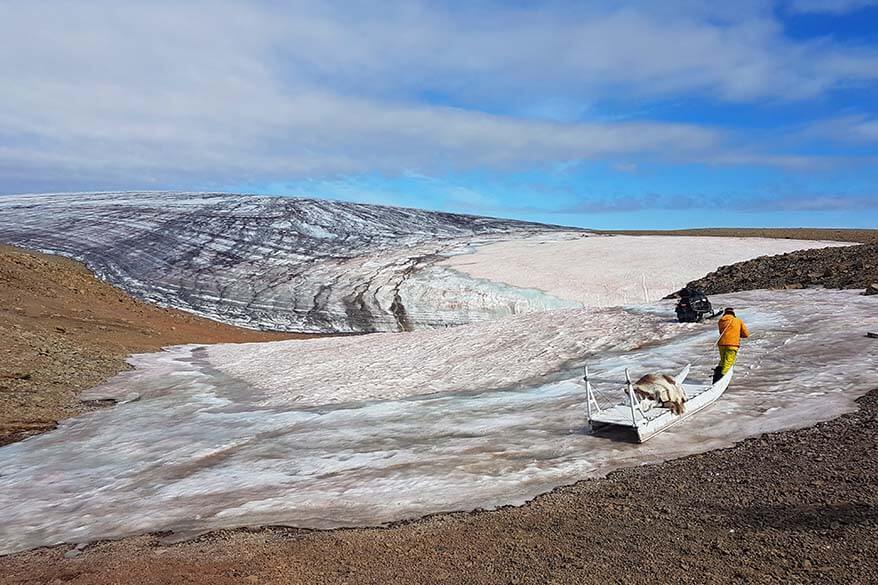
(851, 129)
(625, 167)
(768, 202)
(162, 91)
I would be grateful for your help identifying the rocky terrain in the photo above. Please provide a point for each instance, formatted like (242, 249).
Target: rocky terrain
(63, 331)
(845, 267)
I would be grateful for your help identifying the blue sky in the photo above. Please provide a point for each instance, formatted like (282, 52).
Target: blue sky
(652, 114)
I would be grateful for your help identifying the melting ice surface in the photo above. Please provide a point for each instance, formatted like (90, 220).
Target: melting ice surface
(201, 449)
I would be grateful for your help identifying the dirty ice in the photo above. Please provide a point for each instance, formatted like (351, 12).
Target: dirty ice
(398, 426)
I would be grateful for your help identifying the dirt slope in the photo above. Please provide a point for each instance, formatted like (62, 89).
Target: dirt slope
(62, 331)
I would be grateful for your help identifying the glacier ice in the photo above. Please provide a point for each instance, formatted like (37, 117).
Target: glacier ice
(362, 430)
(211, 444)
(274, 262)
(324, 266)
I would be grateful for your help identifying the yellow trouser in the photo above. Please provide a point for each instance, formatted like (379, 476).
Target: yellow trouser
(727, 356)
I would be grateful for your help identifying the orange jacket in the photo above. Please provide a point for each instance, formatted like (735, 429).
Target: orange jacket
(731, 330)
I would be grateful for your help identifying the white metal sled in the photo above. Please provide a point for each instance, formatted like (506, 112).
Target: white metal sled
(647, 423)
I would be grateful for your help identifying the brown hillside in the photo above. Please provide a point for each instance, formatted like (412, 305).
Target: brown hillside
(63, 331)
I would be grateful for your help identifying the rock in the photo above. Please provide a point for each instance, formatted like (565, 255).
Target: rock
(872, 289)
(72, 554)
(851, 267)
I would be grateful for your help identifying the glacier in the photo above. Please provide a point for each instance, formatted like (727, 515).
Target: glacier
(398, 426)
(281, 263)
(310, 265)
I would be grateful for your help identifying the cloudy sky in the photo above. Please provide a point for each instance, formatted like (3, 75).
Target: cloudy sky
(663, 113)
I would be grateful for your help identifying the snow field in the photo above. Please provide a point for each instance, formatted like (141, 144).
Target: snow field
(495, 354)
(603, 271)
(362, 430)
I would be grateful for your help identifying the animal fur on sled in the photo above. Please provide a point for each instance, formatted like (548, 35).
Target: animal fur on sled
(662, 389)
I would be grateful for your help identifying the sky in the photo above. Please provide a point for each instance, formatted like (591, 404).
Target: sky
(603, 114)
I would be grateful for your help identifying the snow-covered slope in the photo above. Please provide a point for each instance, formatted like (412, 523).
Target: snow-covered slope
(275, 262)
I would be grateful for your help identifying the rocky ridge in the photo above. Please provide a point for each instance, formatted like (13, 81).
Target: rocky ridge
(849, 267)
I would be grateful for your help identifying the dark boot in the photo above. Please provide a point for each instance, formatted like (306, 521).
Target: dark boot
(717, 374)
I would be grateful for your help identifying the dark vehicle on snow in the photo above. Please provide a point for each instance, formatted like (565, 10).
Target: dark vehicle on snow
(693, 306)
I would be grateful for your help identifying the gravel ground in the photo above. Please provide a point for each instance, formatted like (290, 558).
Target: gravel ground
(838, 235)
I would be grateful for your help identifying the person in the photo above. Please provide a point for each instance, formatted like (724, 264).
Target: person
(731, 330)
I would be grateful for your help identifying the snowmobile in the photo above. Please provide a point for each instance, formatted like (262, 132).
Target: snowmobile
(693, 306)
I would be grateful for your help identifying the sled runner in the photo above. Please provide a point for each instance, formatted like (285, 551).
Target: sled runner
(633, 414)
